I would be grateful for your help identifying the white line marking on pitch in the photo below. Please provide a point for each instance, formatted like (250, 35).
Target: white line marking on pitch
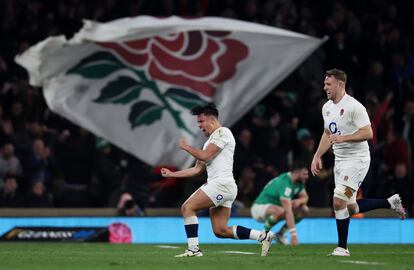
(171, 247)
(238, 252)
(362, 262)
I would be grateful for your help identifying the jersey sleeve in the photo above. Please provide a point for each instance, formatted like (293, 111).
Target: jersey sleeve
(220, 138)
(301, 188)
(323, 113)
(286, 193)
(360, 116)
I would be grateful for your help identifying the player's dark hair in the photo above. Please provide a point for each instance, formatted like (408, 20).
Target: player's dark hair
(299, 165)
(209, 109)
(338, 74)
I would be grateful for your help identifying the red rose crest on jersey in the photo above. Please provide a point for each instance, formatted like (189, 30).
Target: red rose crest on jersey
(341, 112)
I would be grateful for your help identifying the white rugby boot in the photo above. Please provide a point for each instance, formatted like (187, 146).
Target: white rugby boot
(266, 238)
(341, 252)
(190, 253)
(396, 204)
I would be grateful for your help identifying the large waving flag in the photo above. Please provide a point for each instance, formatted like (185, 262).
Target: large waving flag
(132, 81)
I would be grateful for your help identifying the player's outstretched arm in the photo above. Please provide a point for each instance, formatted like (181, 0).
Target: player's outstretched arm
(193, 171)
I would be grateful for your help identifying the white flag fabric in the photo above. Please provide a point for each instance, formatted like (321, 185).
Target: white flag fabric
(132, 81)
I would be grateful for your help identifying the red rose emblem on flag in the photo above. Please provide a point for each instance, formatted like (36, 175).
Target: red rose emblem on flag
(198, 60)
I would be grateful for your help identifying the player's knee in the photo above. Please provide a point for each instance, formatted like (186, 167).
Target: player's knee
(304, 211)
(337, 205)
(185, 209)
(344, 194)
(279, 213)
(219, 235)
(342, 213)
(220, 232)
(352, 208)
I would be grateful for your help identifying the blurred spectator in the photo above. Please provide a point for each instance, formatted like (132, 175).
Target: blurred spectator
(40, 165)
(395, 151)
(130, 209)
(246, 187)
(275, 155)
(109, 168)
(36, 130)
(316, 187)
(8, 161)
(18, 116)
(244, 154)
(259, 129)
(75, 151)
(3, 71)
(376, 112)
(305, 148)
(407, 127)
(374, 82)
(399, 182)
(276, 151)
(9, 194)
(165, 191)
(38, 195)
(135, 185)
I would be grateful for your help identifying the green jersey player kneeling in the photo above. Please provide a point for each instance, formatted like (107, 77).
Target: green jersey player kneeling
(283, 197)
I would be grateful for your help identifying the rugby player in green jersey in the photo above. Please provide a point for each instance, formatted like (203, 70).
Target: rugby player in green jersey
(283, 197)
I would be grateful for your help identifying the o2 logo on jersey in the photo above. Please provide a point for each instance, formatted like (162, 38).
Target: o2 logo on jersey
(219, 197)
(333, 128)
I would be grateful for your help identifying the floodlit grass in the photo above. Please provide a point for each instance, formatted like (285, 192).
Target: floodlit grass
(216, 257)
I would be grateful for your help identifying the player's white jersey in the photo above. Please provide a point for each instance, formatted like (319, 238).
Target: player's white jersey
(220, 168)
(344, 118)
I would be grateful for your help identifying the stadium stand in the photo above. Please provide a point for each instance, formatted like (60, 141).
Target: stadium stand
(371, 40)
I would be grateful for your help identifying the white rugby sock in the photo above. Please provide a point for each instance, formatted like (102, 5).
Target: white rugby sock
(254, 234)
(191, 229)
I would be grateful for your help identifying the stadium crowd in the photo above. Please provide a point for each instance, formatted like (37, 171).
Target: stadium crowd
(46, 161)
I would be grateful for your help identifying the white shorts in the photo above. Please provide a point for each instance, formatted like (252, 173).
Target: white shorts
(351, 173)
(258, 211)
(221, 194)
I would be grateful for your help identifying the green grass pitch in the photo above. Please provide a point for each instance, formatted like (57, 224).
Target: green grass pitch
(109, 256)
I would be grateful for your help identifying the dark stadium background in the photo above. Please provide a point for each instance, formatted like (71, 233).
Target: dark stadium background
(371, 40)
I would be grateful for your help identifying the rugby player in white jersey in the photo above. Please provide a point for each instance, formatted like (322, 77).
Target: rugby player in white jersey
(220, 190)
(347, 129)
